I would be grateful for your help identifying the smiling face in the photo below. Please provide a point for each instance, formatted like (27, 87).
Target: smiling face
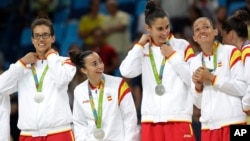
(159, 29)
(204, 32)
(94, 68)
(42, 38)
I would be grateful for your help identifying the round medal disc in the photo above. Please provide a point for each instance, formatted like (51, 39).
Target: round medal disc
(159, 89)
(38, 97)
(99, 133)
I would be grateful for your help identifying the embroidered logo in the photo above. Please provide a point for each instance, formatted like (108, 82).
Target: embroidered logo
(187, 136)
(219, 64)
(85, 101)
(109, 97)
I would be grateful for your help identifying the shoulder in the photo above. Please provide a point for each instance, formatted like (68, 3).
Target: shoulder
(178, 42)
(81, 86)
(66, 61)
(113, 78)
(228, 48)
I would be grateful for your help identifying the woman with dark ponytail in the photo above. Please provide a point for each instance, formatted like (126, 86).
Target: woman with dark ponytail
(163, 61)
(234, 32)
(103, 106)
(41, 79)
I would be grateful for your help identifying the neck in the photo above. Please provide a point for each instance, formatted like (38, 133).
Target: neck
(41, 56)
(156, 44)
(240, 43)
(94, 83)
(207, 49)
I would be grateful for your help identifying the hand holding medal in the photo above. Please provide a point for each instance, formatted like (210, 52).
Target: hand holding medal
(159, 89)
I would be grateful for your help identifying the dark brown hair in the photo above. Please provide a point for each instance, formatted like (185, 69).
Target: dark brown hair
(42, 19)
(78, 57)
(237, 22)
(153, 11)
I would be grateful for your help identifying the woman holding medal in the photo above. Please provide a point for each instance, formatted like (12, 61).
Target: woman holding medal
(167, 105)
(41, 79)
(218, 83)
(103, 106)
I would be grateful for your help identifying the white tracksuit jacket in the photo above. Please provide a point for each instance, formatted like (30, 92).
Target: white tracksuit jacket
(5, 118)
(246, 61)
(51, 115)
(176, 104)
(119, 120)
(220, 101)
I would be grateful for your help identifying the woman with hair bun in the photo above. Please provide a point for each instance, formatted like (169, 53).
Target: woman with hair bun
(41, 79)
(103, 106)
(163, 61)
(234, 31)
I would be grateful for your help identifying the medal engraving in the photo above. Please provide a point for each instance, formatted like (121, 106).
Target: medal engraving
(38, 97)
(99, 134)
(159, 89)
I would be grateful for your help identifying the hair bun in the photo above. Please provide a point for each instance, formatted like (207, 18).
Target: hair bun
(241, 15)
(151, 6)
(42, 15)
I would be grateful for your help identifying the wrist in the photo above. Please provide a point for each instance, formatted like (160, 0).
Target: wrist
(213, 78)
(199, 88)
(170, 54)
(22, 62)
(141, 44)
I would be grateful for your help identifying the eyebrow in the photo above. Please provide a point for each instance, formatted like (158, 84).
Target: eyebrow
(43, 33)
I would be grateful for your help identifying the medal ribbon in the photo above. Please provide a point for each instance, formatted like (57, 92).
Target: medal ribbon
(215, 47)
(158, 77)
(39, 84)
(98, 116)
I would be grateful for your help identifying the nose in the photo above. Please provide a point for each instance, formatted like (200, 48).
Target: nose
(100, 65)
(165, 32)
(203, 29)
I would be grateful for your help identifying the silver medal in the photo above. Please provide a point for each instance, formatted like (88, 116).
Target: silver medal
(99, 134)
(159, 89)
(38, 97)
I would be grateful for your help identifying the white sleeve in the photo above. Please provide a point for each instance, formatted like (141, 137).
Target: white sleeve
(4, 118)
(131, 66)
(79, 122)
(63, 72)
(129, 115)
(246, 98)
(197, 96)
(9, 79)
(181, 68)
(234, 84)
